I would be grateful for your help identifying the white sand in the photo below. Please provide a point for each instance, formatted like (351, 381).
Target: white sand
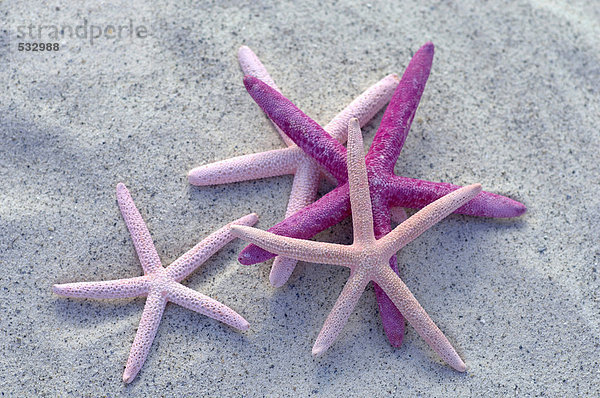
(512, 102)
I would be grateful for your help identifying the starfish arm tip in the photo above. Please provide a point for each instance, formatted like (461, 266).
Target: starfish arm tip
(461, 366)
(318, 350)
(504, 207)
(245, 258)
(249, 219)
(128, 375)
(244, 325)
(277, 280)
(194, 177)
(59, 289)
(121, 187)
(493, 205)
(243, 49)
(281, 271)
(68, 290)
(519, 209)
(211, 174)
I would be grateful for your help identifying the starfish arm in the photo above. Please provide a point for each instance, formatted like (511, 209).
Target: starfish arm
(304, 192)
(118, 288)
(364, 227)
(252, 66)
(304, 187)
(364, 107)
(338, 317)
(153, 310)
(391, 318)
(431, 214)
(304, 131)
(417, 317)
(413, 193)
(360, 198)
(196, 301)
(398, 214)
(282, 269)
(142, 241)
(299, 249)
(247, 167)
(193, 258)
(327, 211)
(399, 114)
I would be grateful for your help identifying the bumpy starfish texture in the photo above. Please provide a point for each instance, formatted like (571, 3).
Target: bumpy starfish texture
(386, 188)
(368, 257)
(292, 160)
(159, 284)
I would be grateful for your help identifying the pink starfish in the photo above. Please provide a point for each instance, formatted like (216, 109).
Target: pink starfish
(292, 160)
(160, 285)
(386, 188)
(368, 257)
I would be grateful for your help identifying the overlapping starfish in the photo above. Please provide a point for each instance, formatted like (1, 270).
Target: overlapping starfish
(386, 188)
(367, 186)
(368, 257)
(292, 160)
(160, 285)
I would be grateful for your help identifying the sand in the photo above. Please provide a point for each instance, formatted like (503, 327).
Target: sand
(513, 102)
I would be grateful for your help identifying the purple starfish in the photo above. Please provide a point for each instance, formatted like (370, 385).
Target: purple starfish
(386, 188)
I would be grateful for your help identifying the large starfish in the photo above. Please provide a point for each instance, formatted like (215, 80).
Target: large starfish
(386, 188)
(368, 257)
(292, 160)
(160, 285)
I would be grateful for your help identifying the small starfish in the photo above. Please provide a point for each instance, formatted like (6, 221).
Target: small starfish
(386, 188)
(160, 285)
(367, 257)
(292, 160)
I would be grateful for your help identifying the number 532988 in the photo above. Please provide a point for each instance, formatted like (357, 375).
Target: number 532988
(38, 46)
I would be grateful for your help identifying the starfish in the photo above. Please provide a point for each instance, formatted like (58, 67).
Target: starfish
(159, 284)
(368, 257)
(386, 188)
(292, 160)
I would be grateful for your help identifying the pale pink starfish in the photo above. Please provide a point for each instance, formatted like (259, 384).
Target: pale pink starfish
(292, 160)
(160, 285)
(368, 258)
